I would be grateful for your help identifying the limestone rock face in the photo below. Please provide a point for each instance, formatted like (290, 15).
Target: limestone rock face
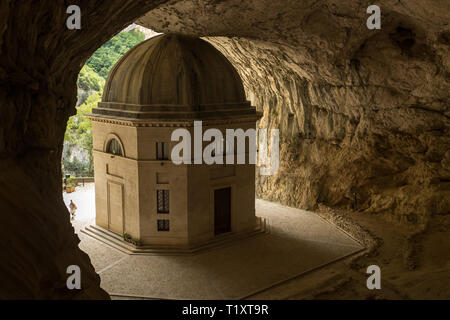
(39, 62)
(363, 114)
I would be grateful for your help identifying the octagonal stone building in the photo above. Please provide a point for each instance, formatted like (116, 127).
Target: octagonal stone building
(161, 85)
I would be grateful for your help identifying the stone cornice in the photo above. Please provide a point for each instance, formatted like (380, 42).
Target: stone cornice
(173, 123)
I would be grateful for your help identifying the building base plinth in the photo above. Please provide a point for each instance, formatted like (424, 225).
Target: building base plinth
(116, 241)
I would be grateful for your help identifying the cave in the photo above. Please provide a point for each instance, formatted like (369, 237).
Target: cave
(363, 117)
(183, 78)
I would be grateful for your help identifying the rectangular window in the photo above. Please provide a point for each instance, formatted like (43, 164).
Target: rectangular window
(162, 200)
(163, 225)
(162, 151)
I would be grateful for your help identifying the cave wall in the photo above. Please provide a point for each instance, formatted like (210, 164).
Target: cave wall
(363, 114)
(380, 144)
(360, 111)
(39, 63)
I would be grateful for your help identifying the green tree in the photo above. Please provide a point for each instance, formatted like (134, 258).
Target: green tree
(79, 127)
(106, 56)
(89, 80)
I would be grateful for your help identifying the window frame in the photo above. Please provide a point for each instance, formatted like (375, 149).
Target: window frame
(162, 150)
(117, 144)
(165, 205)
(163, 225)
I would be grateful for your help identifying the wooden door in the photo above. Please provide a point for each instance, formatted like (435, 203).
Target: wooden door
(222, 210)
(115, 207)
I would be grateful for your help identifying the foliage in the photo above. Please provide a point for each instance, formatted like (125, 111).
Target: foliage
(79, 132)
(75, 167)
(105, 57)
(126, 236)
(71, 180)
(89, 80)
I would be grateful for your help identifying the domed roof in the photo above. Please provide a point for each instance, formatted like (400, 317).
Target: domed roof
(174, 69)
(173, 76)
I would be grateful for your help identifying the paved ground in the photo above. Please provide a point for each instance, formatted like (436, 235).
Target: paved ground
(299, 241)
(84, 198)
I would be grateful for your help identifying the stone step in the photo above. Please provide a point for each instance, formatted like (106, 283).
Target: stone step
(116, 241)
(111, 239)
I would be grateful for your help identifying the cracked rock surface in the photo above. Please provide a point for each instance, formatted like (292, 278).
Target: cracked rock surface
(363, 114)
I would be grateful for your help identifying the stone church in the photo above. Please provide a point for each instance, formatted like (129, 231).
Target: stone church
(160, 85)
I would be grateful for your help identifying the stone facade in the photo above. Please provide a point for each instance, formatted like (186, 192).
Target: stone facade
(147, 97)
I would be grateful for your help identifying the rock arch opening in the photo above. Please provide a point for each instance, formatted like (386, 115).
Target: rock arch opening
(363, 115)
